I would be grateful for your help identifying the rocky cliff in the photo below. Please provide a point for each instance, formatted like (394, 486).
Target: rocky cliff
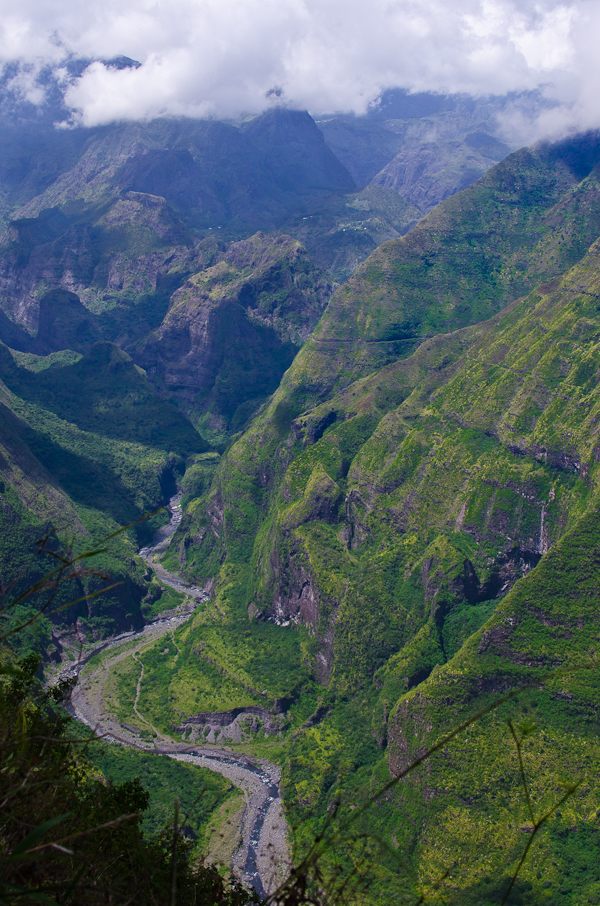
(422, 509)
(232, 329)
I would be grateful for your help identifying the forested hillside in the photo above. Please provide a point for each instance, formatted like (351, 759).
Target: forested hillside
(386, 442)
(143, 238)
(418, 499)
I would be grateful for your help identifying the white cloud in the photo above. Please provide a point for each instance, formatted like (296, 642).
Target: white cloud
(221, 57)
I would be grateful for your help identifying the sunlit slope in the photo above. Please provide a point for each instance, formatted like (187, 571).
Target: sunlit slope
(538, 208)
(480, 481)
(527, 220)
(393, 520)
(478, 471)
(460, 823)
(544, 633)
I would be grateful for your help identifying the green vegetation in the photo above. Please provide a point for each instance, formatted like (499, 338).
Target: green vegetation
(70, 836)
(527, 220)
(405, 534)
(424, 522)
(87, 446)
(200, 792)
(217, 661)
(233, 329)
(345, 230)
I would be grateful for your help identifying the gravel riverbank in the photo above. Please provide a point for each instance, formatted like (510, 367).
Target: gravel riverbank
(263, 857)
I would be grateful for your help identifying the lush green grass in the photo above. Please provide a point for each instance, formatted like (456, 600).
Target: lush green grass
(217, 661)
(159, 599)
(405, 495)
(200, 792)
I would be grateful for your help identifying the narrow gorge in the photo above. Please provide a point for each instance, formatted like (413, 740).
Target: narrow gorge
(262, 856)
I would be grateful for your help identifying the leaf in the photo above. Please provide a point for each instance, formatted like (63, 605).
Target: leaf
(13, 671)
(31, 839)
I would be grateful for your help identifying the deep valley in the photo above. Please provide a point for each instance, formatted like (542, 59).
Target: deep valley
(359, 359)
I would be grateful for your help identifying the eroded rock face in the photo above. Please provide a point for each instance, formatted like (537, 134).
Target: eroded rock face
(426, 173)
(235, 725)
(458, 467)
(106, 255)
(233, 329)
(408, 729)
(39, 257)
(64, 323)
(297, 598)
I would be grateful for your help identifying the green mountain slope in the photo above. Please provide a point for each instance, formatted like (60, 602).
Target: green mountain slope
(527, 220)
(393, 302)
(103, 234)
(427, 522)
(87, 446)
(214, 325)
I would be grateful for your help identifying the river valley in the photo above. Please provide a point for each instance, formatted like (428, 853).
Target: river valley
(261, 856)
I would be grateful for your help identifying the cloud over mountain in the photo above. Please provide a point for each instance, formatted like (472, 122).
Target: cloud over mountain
(225, 57)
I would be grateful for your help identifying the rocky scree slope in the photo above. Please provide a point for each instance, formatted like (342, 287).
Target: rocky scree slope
(430, 520)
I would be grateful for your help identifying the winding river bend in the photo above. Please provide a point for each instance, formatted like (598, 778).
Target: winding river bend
(262, 857)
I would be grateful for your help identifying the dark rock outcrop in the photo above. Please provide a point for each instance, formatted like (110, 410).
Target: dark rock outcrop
(234, 725)
(64, 323)
(233, 329)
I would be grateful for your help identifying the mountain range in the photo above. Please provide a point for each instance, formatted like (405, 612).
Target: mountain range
(386, 443)
(419, 498)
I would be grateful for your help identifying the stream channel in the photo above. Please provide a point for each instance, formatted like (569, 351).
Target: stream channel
(261, 859)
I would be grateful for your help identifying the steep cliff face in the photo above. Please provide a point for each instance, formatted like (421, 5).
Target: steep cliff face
(526, 221)
(112, 214)
(431, 527)
(110, 255)
(139, 209)
(64, 323)
(390, 515)
(225, 337)
(424, 147)
(233, 329)
(213, 171)
(426, 172)
(480, 251)
(295, 153)
(118, 218)
(542, 636)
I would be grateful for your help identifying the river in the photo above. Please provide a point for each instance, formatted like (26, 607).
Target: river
(262, 858)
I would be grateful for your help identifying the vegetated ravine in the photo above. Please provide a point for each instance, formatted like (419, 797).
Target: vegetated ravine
(262, 854)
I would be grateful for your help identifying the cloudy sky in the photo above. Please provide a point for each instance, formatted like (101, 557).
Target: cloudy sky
(223, 57)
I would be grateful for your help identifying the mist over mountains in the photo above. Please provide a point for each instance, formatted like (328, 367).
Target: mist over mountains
(223, 61)
(364, 349)
(104, 226)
